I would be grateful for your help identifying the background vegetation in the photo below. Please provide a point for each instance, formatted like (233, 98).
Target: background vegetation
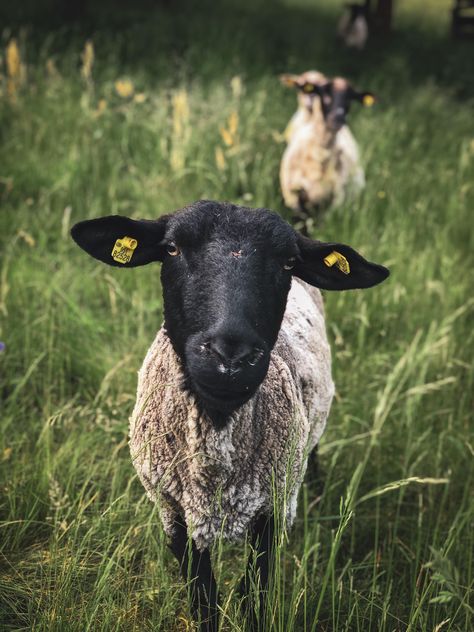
(166, 105)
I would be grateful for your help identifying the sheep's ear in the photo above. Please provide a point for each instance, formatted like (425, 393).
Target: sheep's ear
(121, 241)
(290, 81)
(332, 266)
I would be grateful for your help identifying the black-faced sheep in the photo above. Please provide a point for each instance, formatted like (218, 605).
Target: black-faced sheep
(236, 388)
(321, 165)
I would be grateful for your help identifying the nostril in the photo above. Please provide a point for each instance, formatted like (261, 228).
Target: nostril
(219, 348)
(254, 356)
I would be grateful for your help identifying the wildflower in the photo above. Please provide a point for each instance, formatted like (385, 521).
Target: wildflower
(229, 134)
(124, 88)
(14, 68)
(220, 159)
(2, 346)
(226, 136)
(381, 195)
(233, 123)
(87, 61)
(140, 97)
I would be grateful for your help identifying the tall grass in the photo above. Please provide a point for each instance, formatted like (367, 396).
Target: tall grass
(164, 107)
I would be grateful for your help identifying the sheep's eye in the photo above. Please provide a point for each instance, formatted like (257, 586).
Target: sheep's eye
(172, 249)
(290, 263)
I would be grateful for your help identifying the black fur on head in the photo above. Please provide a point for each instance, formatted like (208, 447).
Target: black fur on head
(336, 96)
(226, 275)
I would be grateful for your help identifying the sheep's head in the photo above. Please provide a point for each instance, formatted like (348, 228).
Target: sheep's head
(334, 96)
(226, 273)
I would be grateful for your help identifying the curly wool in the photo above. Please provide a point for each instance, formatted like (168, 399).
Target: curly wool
(221, 480)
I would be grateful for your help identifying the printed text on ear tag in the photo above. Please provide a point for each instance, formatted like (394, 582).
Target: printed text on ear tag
(123, 249)
(368, 100)
(341, 262)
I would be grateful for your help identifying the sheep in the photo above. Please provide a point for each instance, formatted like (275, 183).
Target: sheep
(236, 388)
(321, 165)
(353, 27)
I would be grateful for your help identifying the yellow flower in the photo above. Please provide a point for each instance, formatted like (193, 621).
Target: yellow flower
(381, 195)
(124, 88)
(226, 137)
(13, 59)
(140, 97)
(87, 57)
(220, 159)
(14, 68)
(233, 123)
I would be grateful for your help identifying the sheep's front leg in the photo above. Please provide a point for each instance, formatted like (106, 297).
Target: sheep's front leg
(259, 567)
(196, 566)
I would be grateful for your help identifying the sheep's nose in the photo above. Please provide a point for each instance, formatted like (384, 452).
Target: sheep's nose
(233, 351)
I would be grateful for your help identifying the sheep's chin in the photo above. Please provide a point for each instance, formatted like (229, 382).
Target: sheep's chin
(223, 401)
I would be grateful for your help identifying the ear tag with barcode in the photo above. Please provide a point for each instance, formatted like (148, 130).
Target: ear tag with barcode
(123, 249)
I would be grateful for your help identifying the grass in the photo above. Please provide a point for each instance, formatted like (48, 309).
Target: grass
(389, 543)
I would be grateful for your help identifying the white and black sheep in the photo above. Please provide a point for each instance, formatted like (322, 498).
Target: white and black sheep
(236, 388)
(353, 27)
(321, 165)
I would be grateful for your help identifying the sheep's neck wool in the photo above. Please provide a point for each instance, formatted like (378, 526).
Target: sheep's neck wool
(221, 480)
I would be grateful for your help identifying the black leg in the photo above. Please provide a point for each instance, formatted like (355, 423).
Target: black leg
(196, 566)
(259, 567)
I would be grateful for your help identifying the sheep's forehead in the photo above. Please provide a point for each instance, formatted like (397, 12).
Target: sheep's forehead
(340, 84)
(314, 77)
(212, 222)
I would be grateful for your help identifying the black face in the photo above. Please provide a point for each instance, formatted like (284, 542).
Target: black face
(225, 295)
(226, 275)
(336, 97)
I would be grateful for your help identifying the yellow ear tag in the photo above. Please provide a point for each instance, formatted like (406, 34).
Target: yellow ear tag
(368, 100)
(308, 87)
(123, 249)
(341, 262)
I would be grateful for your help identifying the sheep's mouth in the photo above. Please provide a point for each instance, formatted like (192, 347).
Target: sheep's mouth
(223, 399)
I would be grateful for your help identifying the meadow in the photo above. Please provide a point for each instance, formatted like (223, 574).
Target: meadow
(140, 111)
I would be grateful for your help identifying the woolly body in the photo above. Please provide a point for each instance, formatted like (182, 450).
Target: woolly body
(319, 167)
(220, 480)
(354, 32)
